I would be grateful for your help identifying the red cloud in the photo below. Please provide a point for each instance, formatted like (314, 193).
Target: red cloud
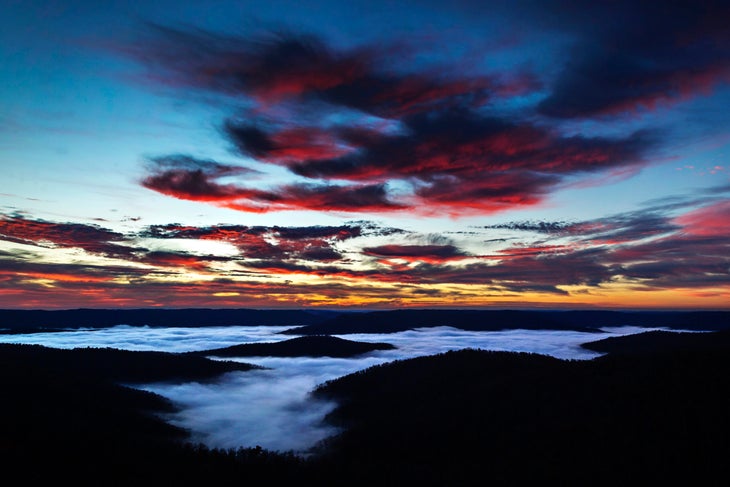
(314, 243)
(331, 115)
(712, 220)
(91, 238)
(452, 163)
(416, 253)
(199, 185)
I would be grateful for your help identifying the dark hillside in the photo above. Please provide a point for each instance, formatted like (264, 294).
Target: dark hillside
(476, 418)
(307, 346)
(116, 365)
(64, 419)
(661, 341)
(494, 320)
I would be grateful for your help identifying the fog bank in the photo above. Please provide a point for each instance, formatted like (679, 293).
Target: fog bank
(273, 408)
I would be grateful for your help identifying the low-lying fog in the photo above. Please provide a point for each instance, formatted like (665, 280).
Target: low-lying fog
(272, 408)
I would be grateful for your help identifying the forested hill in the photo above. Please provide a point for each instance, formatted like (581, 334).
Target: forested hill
(306, 346)
(111, 364)
(493, 320)
(476, 417)
(65, 419)
(660, 342)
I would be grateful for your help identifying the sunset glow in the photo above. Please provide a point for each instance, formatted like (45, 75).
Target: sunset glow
(456, 155)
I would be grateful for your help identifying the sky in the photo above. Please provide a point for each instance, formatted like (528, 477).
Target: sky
(377, 154)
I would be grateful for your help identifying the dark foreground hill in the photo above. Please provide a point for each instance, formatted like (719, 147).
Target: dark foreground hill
(111, 364)
(495, 320)
(65, 418)
(491, 418)
(307, 346)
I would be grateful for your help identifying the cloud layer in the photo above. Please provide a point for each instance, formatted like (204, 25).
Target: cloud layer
(678, 247)
(359, 132)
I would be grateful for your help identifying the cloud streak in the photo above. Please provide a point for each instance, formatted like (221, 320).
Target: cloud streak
(676, 246)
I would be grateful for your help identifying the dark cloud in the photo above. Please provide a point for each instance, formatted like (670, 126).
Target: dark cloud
(341, 232)
(676, 261)
(182, 162)
(625, 227)
(641, 55)
(651, 248)
(457, 159)
(425, 253)
(321, 197)
(18, 268)
(276, 66)
(315, 243)
(91, 238)
(534, 226)
(94, 240)
(329, 113)
(197, 182)
(181, 260)
(189, 178)
(232, 232)
(467, 143)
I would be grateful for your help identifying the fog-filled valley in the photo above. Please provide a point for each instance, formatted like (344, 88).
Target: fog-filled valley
(272, 407)
(430, 404)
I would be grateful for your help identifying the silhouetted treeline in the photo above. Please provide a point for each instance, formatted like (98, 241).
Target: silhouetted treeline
(493, 418)
(661, 341)
(117, 365)
(306, 346)
(65, 419)
(28, 321)
(495, 320)
(322, 322)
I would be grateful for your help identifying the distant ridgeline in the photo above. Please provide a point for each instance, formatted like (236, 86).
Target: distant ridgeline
(495, 320)
(24, 321)
(321, 322)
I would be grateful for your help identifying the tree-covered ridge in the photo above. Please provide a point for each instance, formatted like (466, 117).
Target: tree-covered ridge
(328, 322)
(116, 365)
(658, 341)
(65, 418)
(306, 346)
(494, 320)
(476, 417)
